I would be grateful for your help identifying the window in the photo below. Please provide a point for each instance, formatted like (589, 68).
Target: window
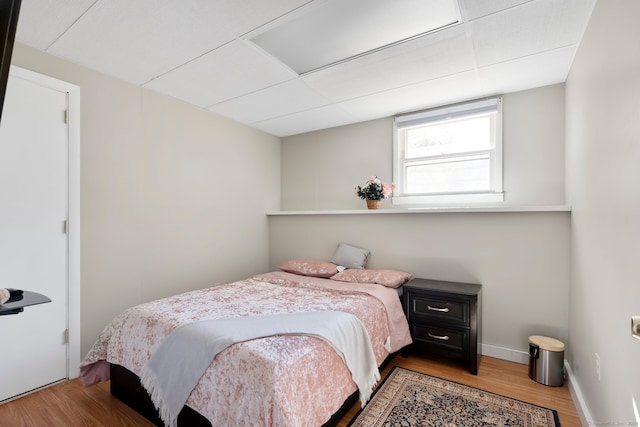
(449, 155)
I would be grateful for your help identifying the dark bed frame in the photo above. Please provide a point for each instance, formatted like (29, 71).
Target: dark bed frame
(126, 386)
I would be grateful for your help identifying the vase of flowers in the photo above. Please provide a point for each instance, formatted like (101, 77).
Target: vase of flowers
(373, 191)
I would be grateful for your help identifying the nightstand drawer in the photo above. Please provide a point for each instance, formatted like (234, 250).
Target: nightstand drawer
(444, 318)
(454, 312)
(454, 340)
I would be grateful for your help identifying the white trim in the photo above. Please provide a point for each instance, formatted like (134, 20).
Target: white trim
(73, 208)
(505, 353)
(430, 210)
(463, 110)
(498, 168)
(444, 199)
(73, 369)
(449, 111)
(577, 397)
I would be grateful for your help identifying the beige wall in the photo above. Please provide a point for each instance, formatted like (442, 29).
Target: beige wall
(521, 259)
(319, 169)
(603, 171)
(173, 197)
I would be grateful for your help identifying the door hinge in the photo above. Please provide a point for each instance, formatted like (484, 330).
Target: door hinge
(65, 226)
(66, 116)
(66, 336)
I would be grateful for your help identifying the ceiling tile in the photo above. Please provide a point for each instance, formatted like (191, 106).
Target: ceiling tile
(41, 22)
(537, 70)
(528, 29)
(440, 54)
(336, 30)
(200, 52)
(225, 73)
(139, 40)
(419, 96)
(306, 121)
(474, 9)
(275, 101)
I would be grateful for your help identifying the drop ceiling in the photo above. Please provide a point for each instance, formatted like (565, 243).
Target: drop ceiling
(206, 53)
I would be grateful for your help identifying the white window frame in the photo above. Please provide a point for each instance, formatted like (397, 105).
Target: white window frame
(492, 196)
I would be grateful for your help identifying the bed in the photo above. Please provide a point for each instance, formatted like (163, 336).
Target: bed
(282, 380)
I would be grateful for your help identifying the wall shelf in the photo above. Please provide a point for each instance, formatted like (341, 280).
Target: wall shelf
(428, 210)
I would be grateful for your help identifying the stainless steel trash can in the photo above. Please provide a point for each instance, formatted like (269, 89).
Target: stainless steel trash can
(546, 360)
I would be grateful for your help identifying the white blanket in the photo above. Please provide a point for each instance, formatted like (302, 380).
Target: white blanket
(176, 366)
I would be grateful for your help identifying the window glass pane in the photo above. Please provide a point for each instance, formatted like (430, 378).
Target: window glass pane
(449, 136)
(466, 174)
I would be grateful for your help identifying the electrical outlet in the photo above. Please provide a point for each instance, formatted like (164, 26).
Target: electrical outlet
(597, 366)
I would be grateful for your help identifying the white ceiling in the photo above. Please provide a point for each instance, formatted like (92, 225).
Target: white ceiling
(200, 51)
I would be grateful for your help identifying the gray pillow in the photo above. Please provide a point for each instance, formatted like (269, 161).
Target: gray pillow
(350, 256)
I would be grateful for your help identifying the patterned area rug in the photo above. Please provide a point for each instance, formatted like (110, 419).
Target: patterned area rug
(408, 398)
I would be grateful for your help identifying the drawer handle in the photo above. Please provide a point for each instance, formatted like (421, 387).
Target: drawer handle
(439, 337)
(442, 310)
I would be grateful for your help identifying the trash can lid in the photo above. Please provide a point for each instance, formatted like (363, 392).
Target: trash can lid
(546, 343)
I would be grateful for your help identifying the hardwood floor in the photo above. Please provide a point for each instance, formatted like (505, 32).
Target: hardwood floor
(71, 404)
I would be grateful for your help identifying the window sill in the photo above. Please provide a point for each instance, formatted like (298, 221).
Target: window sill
(429, 210)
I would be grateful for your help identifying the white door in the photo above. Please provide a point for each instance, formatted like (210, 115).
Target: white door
(33, 242)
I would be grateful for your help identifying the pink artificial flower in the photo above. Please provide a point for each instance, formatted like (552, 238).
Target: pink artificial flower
(388, 189)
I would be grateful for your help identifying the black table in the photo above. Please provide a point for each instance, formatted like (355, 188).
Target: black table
(444, 318)
(17, 303)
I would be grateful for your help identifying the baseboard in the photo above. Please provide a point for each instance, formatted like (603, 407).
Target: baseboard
(505, 353)
(578, 399)
(523, 357)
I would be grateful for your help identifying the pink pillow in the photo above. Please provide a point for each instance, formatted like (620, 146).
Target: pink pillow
(388, 278)
(309, 267)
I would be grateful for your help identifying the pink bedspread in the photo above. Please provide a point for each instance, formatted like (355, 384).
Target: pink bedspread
(274, 381)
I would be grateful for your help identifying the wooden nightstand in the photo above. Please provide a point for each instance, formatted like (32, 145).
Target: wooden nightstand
(444, 319)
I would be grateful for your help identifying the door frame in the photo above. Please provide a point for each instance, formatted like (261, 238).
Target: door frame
(73, 207)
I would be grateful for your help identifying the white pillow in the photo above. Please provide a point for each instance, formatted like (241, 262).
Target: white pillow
(350, 256)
